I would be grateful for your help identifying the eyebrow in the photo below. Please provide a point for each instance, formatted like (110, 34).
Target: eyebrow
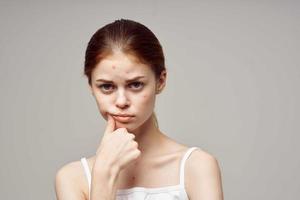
(128, 80)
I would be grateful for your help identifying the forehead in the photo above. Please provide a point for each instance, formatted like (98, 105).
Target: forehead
(120, 65)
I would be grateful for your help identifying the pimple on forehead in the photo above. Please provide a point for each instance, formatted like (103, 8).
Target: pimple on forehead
(114, 67)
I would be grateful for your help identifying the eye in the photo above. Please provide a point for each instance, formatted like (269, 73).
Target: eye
(136, 85)
(105, 87)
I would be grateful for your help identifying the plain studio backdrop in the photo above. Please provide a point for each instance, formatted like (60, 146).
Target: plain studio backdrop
(232, 89)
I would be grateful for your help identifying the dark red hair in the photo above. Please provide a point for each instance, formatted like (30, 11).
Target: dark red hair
(129, 37)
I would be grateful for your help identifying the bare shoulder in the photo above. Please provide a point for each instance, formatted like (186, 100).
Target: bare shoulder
(203, 176)
(69, 182)
(200, 159)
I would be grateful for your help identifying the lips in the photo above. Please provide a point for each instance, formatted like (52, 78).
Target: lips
(123, 118)
(123, 115)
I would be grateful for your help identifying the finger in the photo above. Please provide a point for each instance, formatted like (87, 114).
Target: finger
(111, 124)
(123, 130)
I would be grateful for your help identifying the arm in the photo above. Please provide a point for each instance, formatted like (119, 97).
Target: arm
(206, 181)
(104, 183)
(103, 186)
(67, 185)
(116, 151)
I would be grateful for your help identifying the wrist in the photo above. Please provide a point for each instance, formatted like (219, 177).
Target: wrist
(104, 182)
(105, 169)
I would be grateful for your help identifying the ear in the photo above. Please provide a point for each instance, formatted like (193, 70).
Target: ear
(91, 89)
(161, 83)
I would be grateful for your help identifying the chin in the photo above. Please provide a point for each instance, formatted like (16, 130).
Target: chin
(128, 126)
(131, 127)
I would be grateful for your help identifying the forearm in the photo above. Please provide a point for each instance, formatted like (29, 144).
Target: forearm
(104, 184)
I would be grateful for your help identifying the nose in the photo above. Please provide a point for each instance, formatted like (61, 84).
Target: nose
(122, 101)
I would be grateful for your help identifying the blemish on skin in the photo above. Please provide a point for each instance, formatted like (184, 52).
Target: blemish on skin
(145, 96)
(114, 67)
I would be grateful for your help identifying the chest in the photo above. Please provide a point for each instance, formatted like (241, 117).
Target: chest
(151, 173)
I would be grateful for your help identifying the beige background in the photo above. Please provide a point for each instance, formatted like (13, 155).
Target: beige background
(232, 89)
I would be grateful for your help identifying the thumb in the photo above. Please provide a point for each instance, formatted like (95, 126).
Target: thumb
(110, 127)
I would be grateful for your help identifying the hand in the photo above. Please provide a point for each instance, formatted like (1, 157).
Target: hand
(117, 148)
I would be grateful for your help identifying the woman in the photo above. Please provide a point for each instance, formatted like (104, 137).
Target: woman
(125, 67)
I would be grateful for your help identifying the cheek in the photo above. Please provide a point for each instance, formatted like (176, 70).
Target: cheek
(147, 100)
(103, 103)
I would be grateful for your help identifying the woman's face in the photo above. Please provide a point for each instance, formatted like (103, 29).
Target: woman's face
(123, 86)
